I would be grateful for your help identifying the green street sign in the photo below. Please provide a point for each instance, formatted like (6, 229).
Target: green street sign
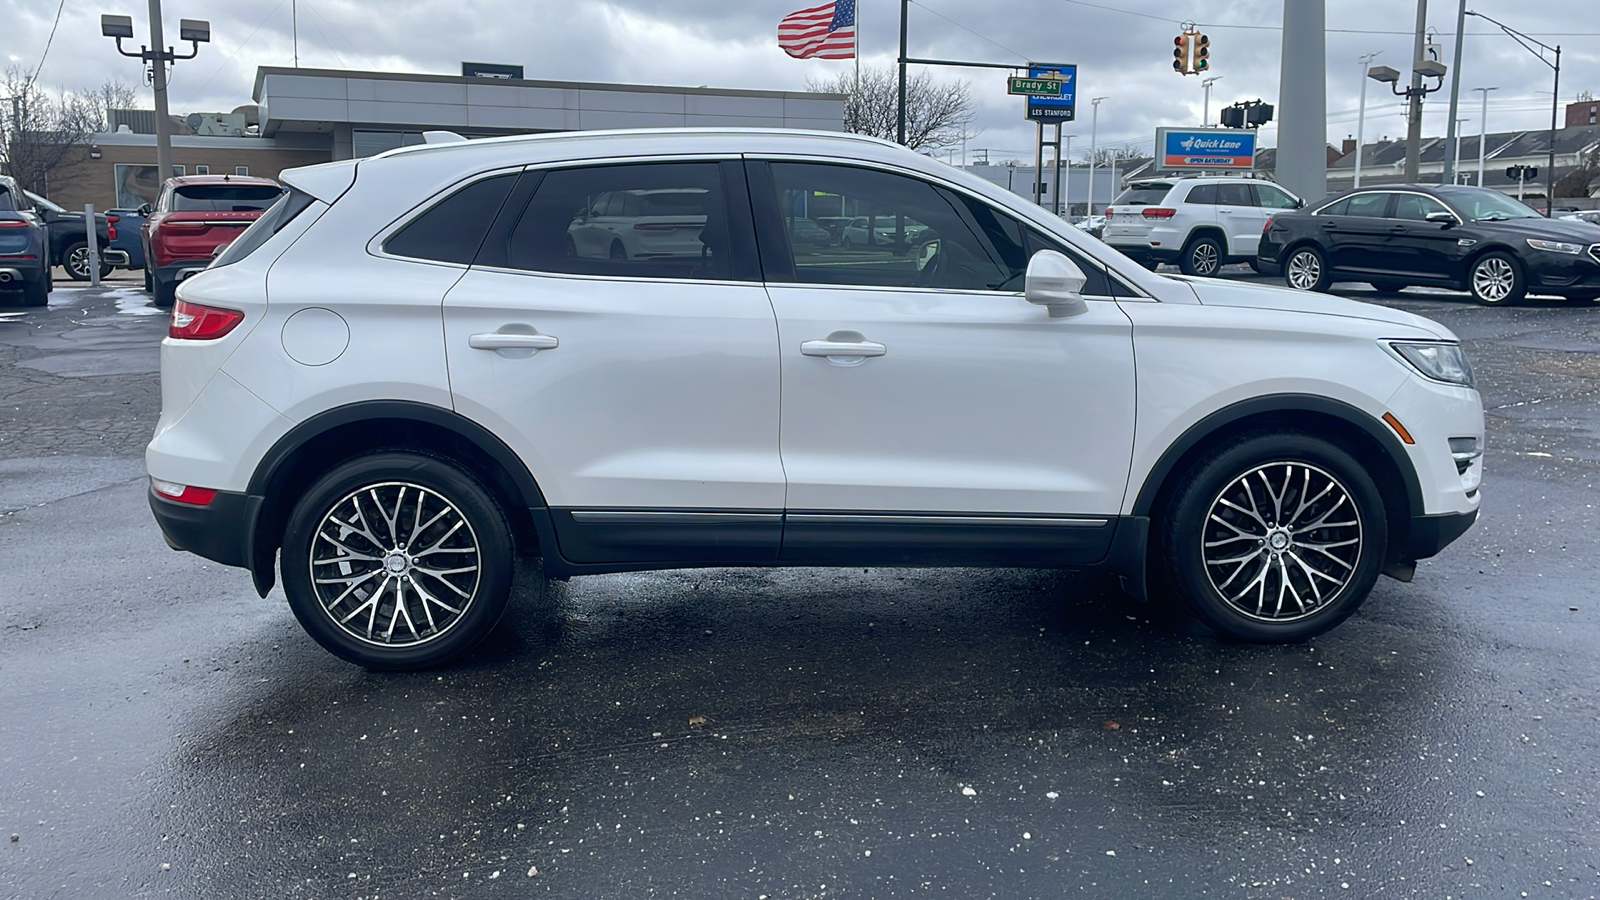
(1034, 87)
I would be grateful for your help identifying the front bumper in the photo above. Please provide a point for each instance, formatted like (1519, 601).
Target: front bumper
(220, 531)
(1561, 272)
(1430, 534)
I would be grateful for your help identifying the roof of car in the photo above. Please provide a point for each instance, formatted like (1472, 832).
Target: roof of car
(186, 180)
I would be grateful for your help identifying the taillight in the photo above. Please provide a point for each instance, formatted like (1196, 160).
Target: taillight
(183, 493)
(1158, 212)
(111, 226)
(184, 226)
(12, 223)
(194, 322)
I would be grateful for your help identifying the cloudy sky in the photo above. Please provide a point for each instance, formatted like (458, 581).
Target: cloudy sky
(1122, 48)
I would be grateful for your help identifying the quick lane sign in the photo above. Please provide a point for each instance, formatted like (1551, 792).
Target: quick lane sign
(1042, 87)
(1205, 148)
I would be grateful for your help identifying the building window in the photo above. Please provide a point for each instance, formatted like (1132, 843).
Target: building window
(202, 170)
(371, 143)
(241, 170)
(179, 170)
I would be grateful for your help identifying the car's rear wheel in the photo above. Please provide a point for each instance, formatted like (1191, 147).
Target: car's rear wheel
(1202, 257)
(1306, 270)
(1275, 537)
(1497, 279)
(76, 261)
(36, 293)
(148, 287)
(164, 293)
(397, 561)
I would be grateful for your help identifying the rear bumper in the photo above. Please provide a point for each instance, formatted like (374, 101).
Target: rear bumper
(1430, 534)
(1145, 251)
(219, 531)
(179, 269)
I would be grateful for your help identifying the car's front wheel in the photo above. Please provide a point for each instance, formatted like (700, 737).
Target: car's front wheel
(1497, 279)
(1306, 270)
(397, 561)
(1275, 537)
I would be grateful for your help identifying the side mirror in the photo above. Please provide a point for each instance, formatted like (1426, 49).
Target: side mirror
(1299, 203)
(1056, 283)
(146, 209)
(1440, 217)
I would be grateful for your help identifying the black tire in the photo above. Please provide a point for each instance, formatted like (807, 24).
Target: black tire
(1388, 287)
(165, 293)
(1246, 473)
(148, 287)
(1255, 266)
(36, 293)
(1497, 279)
(426, 609)
(1306, 269)
(1202, 256)
(75, 259)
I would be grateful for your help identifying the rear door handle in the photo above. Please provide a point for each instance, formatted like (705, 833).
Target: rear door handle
(843, 353)
(512, 344)
(1330, 226)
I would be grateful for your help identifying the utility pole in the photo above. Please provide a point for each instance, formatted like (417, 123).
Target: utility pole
(1361, 115)
(1414, 99)
(900, 129)
(1453, 138)
(1483, 130)
(158, 83)
(1094, 150)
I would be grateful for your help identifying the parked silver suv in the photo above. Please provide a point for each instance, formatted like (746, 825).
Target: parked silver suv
(1201, 224)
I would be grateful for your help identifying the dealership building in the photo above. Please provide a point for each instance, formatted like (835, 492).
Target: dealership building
(306, 116)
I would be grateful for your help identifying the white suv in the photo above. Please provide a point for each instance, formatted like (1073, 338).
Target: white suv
(1201, 224)
(409, 371)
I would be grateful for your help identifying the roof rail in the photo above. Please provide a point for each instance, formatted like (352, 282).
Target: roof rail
(442, 137)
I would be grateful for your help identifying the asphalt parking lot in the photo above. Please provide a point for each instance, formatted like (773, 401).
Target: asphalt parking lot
(793, 733)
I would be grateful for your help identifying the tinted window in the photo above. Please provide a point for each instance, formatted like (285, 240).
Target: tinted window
(655, 220)
(6, 203)
(904, 232)
(1481, 203)
(1234, 194)
(1416, 206)
(452, 229)
(270, 223)
(1143, 195)
(1098, 285)
(224, 197)
(1336, 208)
(1272, 198)
(1203, 193)
(1369, 205)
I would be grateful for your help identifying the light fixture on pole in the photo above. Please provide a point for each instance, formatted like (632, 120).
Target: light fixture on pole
(1483, 130)
(1422, 68)
(1555, 98)
(1205, 111)
(195, 31)
(1361, 113)
(1094, 150)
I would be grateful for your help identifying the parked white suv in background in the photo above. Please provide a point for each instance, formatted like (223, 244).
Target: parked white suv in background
(404, 375)
(1202, 224)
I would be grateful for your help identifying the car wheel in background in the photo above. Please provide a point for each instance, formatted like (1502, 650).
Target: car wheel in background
(36, 293)
(165, 293)
(76, 261)
(1496, 279)
(397, 561)
(1306, 270)
(1388, 287)
(1275, 537)
(1202, 256)
(148, 287)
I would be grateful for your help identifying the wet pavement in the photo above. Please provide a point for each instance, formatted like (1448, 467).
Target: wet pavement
(792, 733)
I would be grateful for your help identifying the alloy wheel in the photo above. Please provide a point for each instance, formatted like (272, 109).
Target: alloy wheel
(1204, 258)
(1304, 271)
(395, 564)
(1281, 541)
(78, 263)
(1493, 279)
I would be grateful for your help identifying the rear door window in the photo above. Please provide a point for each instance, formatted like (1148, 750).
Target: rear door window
(1234, 194)
(1370, 206)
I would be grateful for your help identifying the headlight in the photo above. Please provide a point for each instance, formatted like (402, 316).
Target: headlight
(1555, 246)
(1436, 360)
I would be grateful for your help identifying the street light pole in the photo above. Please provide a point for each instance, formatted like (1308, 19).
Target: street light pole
(1361, 114)
(1414, 99)
(158, 84)
(1094, 150)
(158, 55)
(1528, 44)
(1205, 111)
(1483, 130)
(1453, 138)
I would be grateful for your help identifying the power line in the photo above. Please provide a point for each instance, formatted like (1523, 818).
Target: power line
(1144, 15)
(979, 35)
(48, 41)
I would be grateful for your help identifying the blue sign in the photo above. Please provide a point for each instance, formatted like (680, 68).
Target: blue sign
(1054, 109)
(1205, 148)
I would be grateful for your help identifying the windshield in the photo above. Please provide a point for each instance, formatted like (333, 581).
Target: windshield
(1483, 205)
(1143, 194)
(224, 197)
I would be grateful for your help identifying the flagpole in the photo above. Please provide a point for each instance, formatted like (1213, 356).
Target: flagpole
(858, 48)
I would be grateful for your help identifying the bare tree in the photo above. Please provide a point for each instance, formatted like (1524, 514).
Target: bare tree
(42, 130)
(1579, 181)
(937, 114)
(1105, 156)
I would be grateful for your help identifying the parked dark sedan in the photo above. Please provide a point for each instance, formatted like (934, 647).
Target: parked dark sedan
(1465, 238)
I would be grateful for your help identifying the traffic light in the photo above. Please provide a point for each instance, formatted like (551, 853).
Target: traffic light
(1232, 117)
(1258, 114)
(1202, 54)
(1180, 54)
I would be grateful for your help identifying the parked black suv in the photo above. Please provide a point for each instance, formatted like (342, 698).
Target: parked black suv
(1466, 238)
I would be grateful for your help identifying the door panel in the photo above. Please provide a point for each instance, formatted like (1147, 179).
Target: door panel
(1422, 251)
(1240, 218)
(1358, 240)
(964, 399)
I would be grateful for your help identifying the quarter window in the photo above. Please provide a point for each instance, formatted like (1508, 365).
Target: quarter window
(653, 220)
(1205, 194)
(452, 229)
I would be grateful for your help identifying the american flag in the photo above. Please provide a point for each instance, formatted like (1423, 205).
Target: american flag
(826, 32)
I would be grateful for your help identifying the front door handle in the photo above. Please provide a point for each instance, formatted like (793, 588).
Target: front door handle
(843, 348)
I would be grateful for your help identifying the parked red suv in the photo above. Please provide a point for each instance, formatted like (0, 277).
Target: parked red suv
(193, 216)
